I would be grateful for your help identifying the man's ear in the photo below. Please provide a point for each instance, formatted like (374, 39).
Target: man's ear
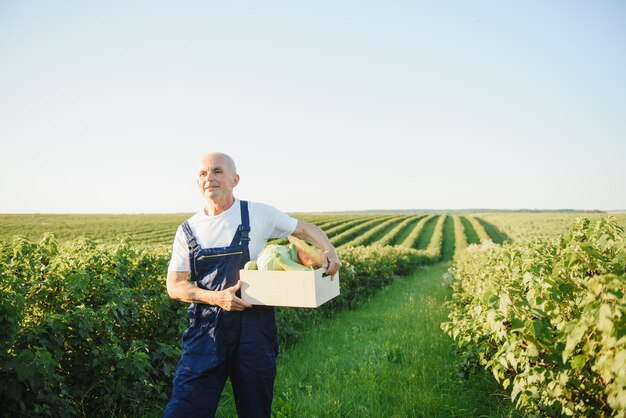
(235, 180)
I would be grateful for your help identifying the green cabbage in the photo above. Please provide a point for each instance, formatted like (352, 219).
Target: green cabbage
(268, 259)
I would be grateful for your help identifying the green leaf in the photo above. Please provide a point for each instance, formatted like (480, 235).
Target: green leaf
(516, 323)
(578, 362)
(605, 322)
(24, 371)
(574, 337)
(619, 363)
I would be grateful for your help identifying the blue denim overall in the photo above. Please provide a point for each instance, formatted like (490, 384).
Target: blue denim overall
(219, 344)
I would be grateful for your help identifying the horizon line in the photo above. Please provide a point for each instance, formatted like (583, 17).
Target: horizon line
(475, 210)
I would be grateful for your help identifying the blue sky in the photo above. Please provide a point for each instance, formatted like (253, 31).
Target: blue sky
(106, 107)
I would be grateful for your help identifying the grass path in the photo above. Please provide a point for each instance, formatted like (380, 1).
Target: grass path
(388, 358)
(427, 233)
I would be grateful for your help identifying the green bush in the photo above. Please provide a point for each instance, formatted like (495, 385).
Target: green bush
(548, 319)
(88, 329)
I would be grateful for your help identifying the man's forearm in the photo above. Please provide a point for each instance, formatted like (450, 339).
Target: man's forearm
(314, 234)
(194, 294)
(317, 237)
(180, 289)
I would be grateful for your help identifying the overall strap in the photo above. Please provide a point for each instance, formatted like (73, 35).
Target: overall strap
(191, 238)
(245, 223)
(243, 231)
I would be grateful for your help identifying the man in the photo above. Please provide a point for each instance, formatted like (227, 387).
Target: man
(227, 337)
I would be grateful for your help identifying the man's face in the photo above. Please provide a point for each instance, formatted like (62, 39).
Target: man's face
(216, 178)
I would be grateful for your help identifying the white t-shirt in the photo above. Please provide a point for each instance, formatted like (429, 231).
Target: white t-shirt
(266, 222)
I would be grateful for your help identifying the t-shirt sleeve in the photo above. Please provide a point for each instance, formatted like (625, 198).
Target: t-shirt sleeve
(284, 224)
(180, 253)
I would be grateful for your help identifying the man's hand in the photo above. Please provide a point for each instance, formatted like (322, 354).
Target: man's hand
(228, 300)
(312, 233)
(330, 261)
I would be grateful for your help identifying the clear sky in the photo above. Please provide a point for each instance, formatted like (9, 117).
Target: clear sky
(107, 106)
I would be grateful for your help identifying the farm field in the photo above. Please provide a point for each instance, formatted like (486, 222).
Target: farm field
(528, 226)
(151, 229)
(108, 273)
(388, 229)
(145, 228)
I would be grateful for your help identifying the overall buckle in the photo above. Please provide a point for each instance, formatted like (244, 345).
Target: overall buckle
(192, 243)
(244, 232)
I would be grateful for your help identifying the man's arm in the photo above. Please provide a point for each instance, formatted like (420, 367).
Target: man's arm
(180, 288)
(313, 233)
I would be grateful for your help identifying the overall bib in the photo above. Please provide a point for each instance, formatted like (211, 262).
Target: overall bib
(219, 344)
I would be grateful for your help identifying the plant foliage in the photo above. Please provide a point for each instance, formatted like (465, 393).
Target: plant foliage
(86, 327)
(548, 318)
(89, 330)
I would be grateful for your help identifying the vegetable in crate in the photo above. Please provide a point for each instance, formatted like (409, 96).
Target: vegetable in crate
(308, 255)
(276, 257)
(293, 253)
(250, 265)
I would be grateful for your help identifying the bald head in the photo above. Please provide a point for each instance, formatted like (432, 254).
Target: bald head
(227, 162)
(217, 177)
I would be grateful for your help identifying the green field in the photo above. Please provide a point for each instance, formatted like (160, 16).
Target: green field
(373, 353)
(151, 229)
(528, 226)
(342, 228)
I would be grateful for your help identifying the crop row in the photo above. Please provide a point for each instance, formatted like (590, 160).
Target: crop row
(393, 235)
(421, 234)
(87, 329)
(548, 318)
(433, 251)
(378, 230)
(358, 228)
(411, 239)
(460, 241)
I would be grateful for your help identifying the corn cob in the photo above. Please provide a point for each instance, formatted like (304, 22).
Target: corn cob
(283, 260)
(308, 255)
